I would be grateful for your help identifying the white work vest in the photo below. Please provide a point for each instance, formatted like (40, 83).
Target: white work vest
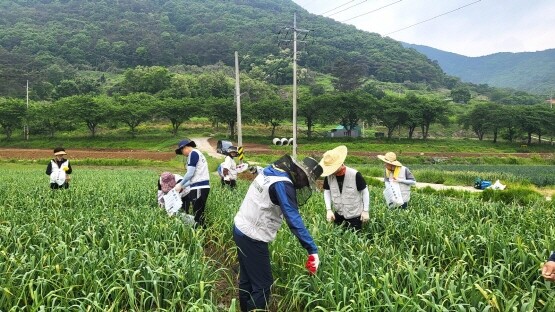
(231, 166)
(259, 218)
(405, 189)
(348, 202)
(58, 175)
(201, 177)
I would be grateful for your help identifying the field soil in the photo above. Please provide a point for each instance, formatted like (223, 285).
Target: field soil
(208, 145)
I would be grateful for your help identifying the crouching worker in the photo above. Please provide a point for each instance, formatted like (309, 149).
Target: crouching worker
(345, 190)
(59, 170)
(166, 183)
(275, 194)
(228, 169)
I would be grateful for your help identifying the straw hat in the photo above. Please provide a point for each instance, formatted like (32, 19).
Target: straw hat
(390, 158)
(333, 159)
(59, 151)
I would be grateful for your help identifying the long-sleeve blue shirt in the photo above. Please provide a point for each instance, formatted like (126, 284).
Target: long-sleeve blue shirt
(284, 195)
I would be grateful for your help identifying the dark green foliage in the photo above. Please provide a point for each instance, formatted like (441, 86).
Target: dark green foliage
(49, 41)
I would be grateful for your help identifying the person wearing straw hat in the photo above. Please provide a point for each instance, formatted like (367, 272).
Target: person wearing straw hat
(548, 270)
(274, 195)
(345, 190)
(395, 171)
(59, 170)
(197, 178)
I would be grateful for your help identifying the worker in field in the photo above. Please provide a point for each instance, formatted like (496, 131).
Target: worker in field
(228, 169)
(197, 178)
(166, 182)
(346, 194)
(59, 170)
(275, 194)
(396, 172)
(548, 270)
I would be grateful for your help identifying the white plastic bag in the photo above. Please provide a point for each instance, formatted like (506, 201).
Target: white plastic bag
(497, 186)
(172, 202)
(392, 194)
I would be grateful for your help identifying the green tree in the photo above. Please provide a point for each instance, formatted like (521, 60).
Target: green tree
(177, 111)
(460, 95)
(431, 110)
(12, 115)
(480, 119)
(134, 109)
(222, 110)
(46, 117)
(347, 108)
(146, 79)
(272, 112)
(391, 113)
(88, 109)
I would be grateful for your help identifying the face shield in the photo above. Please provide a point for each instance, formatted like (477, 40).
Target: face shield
(303, 175)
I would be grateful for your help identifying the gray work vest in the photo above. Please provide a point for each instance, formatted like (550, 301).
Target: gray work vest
(348, 202)
(259, 218)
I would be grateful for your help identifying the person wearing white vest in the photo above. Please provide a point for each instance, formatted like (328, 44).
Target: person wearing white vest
(275, 194)
(345, 190)
(197, 178)
(59, 170)
(396, 172)
(228, 169)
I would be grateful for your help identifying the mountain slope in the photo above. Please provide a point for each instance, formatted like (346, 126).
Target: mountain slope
(533, 72)
(48, 40)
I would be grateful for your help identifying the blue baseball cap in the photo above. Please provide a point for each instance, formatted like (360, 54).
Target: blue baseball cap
(182, 144)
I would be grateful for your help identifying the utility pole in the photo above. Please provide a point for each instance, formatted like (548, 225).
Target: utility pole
(238, 100)
(26, 128)
(296, 31)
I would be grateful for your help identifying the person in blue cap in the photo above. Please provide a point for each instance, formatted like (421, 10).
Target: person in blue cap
(197, 178)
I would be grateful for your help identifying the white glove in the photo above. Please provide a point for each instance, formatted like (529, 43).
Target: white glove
(312, 263)
(364, 216)
(330, 216)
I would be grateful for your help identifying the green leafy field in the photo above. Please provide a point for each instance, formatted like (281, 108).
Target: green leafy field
(103, 245)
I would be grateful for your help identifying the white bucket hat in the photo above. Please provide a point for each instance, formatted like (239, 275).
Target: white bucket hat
(390, 158)
(333, 159)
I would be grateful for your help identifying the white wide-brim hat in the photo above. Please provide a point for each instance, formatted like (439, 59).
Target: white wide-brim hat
(333, 159)
(390, 158)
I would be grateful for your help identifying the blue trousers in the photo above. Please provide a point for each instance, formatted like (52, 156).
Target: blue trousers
(255, 272)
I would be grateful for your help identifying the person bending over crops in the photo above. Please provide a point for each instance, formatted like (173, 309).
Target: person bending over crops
(396, 172)
(228, 169)
(548, 270)
(59, 170)
(275, 193)
(166, 183)
(197, 178)
(345, 191)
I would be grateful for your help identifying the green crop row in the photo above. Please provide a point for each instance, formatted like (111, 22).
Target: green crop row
(103, 245)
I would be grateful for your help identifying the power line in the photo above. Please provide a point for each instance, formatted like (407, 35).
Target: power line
(345, 9)
(433, 17)
(385, 6)
(344, 4)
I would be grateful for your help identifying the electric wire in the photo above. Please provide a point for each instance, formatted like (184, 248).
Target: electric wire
(383, 7)
(345, 9)
(427, 20)
(344, 4)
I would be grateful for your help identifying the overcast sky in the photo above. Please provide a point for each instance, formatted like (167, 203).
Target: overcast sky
(482, 28)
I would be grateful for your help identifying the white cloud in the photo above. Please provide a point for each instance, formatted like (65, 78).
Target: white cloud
(485, 27)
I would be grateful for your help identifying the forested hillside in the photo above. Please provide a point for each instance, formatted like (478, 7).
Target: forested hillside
(47, 41)
(533, 72)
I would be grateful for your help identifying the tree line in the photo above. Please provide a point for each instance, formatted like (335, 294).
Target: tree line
(146, 94)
